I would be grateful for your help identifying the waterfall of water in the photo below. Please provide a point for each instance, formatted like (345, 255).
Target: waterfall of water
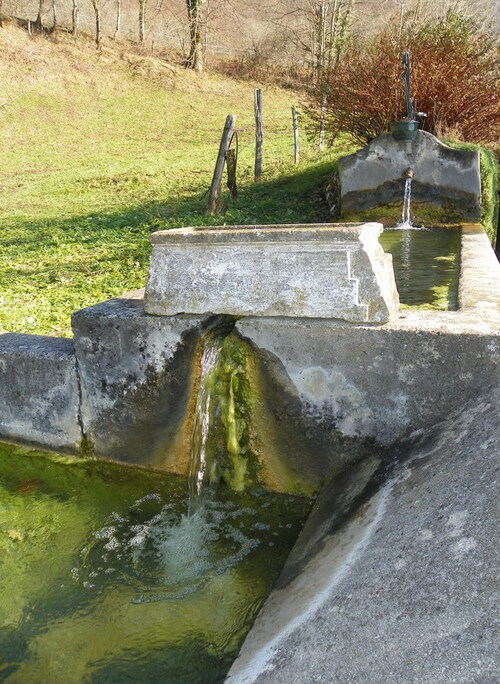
(405, 216)
(219, 444)
(202, 422)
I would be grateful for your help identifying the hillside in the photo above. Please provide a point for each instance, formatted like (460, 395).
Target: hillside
(100, 148)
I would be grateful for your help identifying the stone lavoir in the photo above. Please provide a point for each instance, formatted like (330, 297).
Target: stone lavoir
(323, 387)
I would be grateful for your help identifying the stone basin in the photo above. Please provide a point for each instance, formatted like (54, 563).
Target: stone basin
(336, 271)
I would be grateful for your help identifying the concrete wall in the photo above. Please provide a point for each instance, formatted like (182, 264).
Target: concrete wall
(124, 385)
(137, 374)
(378, 382)
(39, 392)
(442, 176)
(394, 576)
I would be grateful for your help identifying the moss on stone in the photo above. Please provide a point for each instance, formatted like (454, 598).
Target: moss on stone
(489, 186)
(240, 447)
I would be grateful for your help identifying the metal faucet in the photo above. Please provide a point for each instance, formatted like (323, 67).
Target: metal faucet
(408, 173)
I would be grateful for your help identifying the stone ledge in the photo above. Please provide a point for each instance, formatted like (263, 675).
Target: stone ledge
(404, 589)
(311, 271)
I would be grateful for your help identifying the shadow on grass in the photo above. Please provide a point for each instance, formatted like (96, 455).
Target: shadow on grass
(296, 198)
(51, 267)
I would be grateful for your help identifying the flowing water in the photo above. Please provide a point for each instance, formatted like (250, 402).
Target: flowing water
(202, 422)
(111, 574)
(426, 265)
(406, 223)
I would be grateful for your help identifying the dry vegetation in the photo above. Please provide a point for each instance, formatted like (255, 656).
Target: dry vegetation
(256, 32)
(455, 81)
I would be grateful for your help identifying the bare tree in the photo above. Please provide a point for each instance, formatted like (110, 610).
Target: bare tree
(196, 20)
(330, 22)
(96, 4)
(75, 11)
(40, 19)
(54, 15)
(118, 18)
(320, 28)
(142, 20)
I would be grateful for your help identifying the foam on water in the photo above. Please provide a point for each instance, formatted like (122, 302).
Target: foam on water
(168, 549)
(106, 578)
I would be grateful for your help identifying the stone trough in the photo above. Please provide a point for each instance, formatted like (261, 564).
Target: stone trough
(306, 271)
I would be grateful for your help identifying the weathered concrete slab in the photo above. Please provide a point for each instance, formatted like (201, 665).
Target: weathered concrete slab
(479, 285)
(442, 175)
(39, 395)
(137, 374)
(377, 381)
(321, 271)
(381, 381)
(405, 589)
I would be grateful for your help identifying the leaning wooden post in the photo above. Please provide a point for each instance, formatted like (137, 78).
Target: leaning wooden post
(259, 136)
(295, 135)
(219, 165)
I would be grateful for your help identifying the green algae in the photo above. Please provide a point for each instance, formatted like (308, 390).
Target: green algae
(423, 214)
(246, 444)
(426, 266)
(100, 566)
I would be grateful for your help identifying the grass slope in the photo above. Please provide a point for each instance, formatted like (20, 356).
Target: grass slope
(99, 149)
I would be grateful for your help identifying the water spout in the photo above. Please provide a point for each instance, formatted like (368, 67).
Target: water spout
(201, 424)
(406, 215)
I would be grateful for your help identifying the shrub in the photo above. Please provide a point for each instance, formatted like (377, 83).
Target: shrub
(455, 79)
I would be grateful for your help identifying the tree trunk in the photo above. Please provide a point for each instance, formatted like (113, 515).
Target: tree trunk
(195, 17)
(74, 17)
(118, 17)
(39, 22)
(142, 20)
(96, 4)
(54, 16)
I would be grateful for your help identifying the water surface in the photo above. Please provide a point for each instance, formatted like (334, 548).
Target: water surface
(426, 265)
(106, 579)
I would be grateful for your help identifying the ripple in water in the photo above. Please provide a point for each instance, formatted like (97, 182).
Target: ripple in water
(167, 554)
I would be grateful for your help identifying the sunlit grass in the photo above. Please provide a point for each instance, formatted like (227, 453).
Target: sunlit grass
(92, 164)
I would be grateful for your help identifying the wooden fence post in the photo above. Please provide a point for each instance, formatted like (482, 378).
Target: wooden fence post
(295, 135)
(322, 123)
(259, 136)
(219, 165)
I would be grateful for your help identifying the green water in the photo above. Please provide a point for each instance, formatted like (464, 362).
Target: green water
(105, 579)
(426, 266)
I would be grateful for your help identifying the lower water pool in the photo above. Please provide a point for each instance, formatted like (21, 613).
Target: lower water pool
(106, 579)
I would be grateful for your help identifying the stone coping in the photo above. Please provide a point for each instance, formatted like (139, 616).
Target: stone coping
(272, 233)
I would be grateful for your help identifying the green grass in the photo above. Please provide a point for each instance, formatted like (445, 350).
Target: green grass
(92, 163)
